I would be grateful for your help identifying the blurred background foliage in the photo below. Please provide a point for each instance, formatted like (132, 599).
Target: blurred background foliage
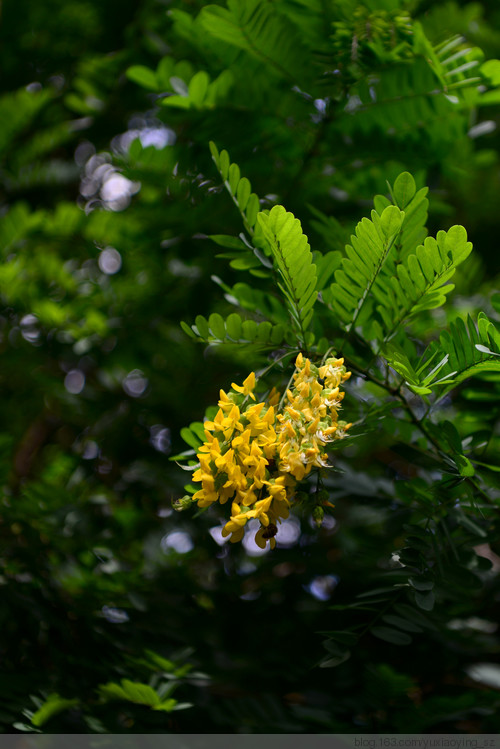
(108, 193)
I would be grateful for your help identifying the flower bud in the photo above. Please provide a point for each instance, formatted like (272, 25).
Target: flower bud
(183, 503)
(323, 495)
(318, 515)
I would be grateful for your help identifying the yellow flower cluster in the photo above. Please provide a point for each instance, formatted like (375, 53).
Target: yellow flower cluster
(309, 420)
(254, 455)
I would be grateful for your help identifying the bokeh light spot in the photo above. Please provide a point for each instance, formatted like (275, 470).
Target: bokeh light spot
(74, 382)
(135, 383)
(322, 586)
(178, 541)
(288, 533)
(110, 261)
(114, 615)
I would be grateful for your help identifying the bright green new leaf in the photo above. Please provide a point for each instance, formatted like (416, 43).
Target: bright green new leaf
(404, 190)
(53, 705)
(293, 260)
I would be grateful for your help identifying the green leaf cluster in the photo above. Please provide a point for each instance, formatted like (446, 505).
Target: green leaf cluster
(293, 259)
(235, 330)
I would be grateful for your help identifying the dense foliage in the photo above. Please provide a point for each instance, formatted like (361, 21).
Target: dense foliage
(289, 183)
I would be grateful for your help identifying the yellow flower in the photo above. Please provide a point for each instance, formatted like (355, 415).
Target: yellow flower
(248, 386)
(293, 462)
(236, 524)
(242, 442)
(205, 498)
(247, 497)
(261, 509)
(257, 422)
(274, 397)
(255, 455)
(277, 489)
(225, 424)
(334, 372)
(309, 420)
(264, 535)
(225, 402)
(239, 519)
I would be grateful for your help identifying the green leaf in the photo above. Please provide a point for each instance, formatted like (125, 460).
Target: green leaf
(344, 637)
(130, 691)
(179, 101)
(391, 220)
(216, 324)
(334, 648)
(249, 330)
(451, 435)
(188, 330)
(335, 661)
(157, 660)
(410, 97)
(202, 327)
(376, 592)
(243, 193)
(256, 27)
(224, 240)
(215, 153)
(464, 465)
(414, 615)
(277, 334)
(394, 636)
(53, 705)
(234, 330)
(459, 343)
(471, 526)
(489, 466)
(224, 164)
(263, 331)
(399, 621)
(170, 704)
(234, 178)
(143, 76)
(420, 282)
(178, 706)
(491, 70)
(326, 265)
(252, 209)
(233, 326)
(244, 263)
(198, 87)
(240, 190)
(190, 438)
(421, 584)
(199, 429)
(404, 190)
(293, 260)
(365, 257)
(425, 600)
(25, 727)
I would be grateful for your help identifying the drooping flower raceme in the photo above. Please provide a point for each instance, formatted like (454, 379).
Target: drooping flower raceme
(309, 419)
(256, 452)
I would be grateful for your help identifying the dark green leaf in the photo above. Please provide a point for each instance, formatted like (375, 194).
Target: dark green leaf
(399, 621)
(425, 600)
(394, 636)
